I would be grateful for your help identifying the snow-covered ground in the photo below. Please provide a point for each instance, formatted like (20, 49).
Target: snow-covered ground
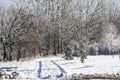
(56, 67)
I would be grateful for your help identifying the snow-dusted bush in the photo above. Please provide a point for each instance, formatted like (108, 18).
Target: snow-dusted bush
(111, 39)
(68, 53)
(96, 76)
(75, 49)
(8, 73)
(109, 43)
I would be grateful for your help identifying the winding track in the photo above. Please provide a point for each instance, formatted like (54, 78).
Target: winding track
(49, 69)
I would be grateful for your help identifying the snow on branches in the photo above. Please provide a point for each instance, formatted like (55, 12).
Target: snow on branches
(110, 38)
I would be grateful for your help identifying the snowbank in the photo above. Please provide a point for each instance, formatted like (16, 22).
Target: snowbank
(57, 67)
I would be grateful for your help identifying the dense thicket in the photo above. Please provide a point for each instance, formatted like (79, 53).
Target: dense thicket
(50, 27)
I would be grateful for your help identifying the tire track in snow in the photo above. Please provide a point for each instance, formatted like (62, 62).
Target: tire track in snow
(40, 69)
(60, 68)
(43, 67)
(49, 67)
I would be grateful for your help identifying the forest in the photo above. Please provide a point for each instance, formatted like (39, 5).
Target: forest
(30, 28)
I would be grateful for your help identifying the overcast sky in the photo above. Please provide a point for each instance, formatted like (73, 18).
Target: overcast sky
(5, 1)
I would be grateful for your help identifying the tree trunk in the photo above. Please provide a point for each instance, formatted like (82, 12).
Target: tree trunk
(5, 56)
(19, 54)
(10, 56)
(54, 44)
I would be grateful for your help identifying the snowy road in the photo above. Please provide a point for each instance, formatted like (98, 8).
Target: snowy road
(57, 67)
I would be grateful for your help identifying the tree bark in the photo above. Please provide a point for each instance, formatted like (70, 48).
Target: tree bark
(5, 56)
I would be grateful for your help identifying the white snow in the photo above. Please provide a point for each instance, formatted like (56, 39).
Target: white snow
(57, 67)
